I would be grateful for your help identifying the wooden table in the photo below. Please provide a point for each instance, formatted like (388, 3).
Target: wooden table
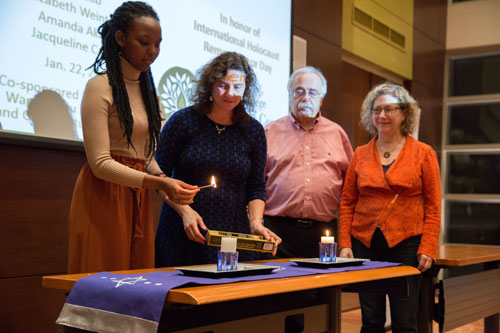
(479, 292)
(250, 296)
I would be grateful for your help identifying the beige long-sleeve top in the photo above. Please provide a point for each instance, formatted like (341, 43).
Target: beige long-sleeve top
(103, 135)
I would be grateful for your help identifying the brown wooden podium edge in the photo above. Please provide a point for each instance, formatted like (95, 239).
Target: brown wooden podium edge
(199, 295)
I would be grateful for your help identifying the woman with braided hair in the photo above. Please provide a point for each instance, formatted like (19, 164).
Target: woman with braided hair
(110, 221)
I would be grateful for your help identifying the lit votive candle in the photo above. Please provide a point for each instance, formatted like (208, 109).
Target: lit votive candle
(327, 249)
(327, 239)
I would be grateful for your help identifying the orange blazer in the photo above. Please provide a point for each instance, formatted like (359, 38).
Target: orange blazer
(404, 202)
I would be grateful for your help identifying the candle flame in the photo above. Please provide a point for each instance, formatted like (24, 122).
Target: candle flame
(327, 233)
(214, 185)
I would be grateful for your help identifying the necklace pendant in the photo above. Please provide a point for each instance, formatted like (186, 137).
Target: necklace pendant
(387, 154)
(220, 129)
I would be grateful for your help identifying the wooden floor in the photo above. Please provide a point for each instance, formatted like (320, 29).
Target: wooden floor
(351, 323)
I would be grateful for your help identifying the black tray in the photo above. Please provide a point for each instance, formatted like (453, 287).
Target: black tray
(211, 271)
(341, 262)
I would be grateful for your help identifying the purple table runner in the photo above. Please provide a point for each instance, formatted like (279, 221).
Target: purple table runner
(130, 303)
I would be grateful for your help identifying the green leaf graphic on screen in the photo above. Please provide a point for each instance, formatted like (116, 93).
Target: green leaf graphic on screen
(175, 87)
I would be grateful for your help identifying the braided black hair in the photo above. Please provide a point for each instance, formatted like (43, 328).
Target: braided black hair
(109, 55)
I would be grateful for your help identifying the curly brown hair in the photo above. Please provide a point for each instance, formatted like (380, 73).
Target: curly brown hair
(216, 69)
(410, 107)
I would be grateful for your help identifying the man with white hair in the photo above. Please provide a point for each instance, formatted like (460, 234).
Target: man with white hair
(307, 158)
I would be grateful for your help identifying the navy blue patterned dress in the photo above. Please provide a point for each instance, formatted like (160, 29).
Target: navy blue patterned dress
(192, 150)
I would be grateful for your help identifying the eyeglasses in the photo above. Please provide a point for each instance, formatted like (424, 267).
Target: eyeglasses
(388, 109)
(300, 92)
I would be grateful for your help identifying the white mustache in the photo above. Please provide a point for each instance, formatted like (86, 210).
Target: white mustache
(305, 105)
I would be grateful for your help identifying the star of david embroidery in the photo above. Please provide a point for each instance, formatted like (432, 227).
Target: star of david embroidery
(128, 280)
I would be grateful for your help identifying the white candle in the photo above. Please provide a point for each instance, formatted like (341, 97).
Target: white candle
(327, 239)
(228, 244)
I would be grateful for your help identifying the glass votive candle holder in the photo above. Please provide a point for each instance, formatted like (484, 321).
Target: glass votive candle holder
(327, 252)
(227, 261)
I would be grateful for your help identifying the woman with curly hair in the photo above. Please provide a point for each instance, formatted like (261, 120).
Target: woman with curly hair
(391, 203)
(110, 220)
(216, 136)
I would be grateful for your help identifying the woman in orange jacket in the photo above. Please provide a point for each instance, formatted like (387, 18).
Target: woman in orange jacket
(391, 202)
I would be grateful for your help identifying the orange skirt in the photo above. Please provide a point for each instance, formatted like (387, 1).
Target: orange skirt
(110, 225)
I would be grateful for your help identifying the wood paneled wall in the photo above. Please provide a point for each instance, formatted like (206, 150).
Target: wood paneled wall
(37, 182)
(36, 186)
(320, 23)
(429, 48)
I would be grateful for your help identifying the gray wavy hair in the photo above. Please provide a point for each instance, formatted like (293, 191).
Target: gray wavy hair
(409, 105)
(308, 69)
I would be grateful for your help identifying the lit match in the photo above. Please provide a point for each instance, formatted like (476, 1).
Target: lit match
(213, 184)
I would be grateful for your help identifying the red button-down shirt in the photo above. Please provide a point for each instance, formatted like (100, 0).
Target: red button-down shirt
(305, 169)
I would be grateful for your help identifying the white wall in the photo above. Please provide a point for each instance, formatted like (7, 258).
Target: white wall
(473, 24)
